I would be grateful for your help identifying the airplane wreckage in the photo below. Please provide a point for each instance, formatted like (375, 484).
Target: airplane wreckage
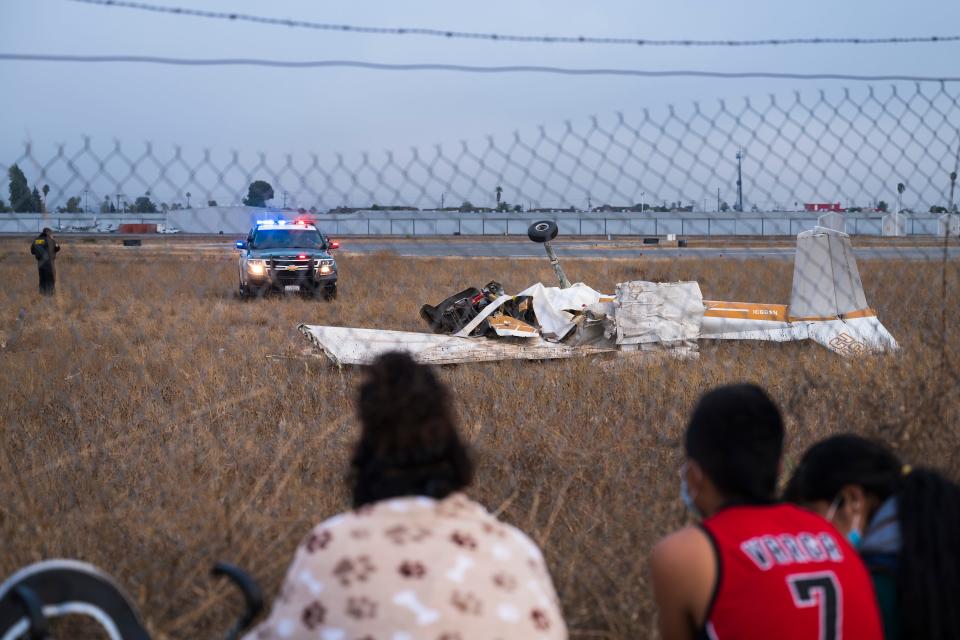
(827, 305)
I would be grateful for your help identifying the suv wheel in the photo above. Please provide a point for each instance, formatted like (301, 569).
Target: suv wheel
(243, 292)
(330, 292)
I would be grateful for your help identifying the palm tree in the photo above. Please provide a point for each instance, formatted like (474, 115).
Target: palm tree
(499, 193)
(900, 189)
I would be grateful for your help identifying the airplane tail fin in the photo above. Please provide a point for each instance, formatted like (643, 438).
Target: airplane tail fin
(826, 281)
(828, 294)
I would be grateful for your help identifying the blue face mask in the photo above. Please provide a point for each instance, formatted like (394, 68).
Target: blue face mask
(854, 537)
(685, 493)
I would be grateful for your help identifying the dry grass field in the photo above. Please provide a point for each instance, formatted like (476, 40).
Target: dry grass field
(152, 424)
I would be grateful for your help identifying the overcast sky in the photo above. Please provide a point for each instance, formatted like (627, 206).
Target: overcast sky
(323, 110)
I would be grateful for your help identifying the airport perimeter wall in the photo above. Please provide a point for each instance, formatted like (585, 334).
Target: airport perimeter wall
(236, 221)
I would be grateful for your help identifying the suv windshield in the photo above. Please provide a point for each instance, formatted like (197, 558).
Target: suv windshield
(288, 239)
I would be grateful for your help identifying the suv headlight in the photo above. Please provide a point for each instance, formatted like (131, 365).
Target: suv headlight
(256, 267)
(325, 267)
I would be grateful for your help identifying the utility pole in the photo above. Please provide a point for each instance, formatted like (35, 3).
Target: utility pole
(740, 180)
(118, 201)
(284, 199)
(718, 199)
(442, 194)
(951, 207)
(85, 200)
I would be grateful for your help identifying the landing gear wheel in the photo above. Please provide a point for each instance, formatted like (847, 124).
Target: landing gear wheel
(543, 231)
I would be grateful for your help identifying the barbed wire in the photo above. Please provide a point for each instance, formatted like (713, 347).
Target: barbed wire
(500, 37)
(460, 68)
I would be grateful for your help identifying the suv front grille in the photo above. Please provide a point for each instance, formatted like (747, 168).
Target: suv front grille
(291, 269)
(286, 262)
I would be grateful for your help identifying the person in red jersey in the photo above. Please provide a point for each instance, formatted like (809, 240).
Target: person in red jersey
(753, 568)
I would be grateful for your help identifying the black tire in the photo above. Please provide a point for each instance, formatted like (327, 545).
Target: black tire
(543, 231)
(60, 587)
(330, 292)
(242, 292)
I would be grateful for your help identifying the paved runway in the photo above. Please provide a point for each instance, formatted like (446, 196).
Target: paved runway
(487, 247)
(620, 249)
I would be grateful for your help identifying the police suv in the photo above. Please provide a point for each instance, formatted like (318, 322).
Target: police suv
(278, 254)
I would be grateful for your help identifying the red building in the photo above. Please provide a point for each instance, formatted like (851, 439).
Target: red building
(821, 206)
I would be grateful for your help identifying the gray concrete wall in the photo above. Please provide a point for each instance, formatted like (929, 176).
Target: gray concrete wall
(236, 221)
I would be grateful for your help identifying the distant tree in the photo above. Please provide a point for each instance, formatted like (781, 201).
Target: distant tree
(724, 206)
(176, 206)
(258, 193)
(938, 209)
(503, 206)
(36, 200)
(211, 203)
(164, 207)
(499, 191)
(73, 205)
(518, 208)
(882, 206)
(143, 204)
(854, 209)
(3, 206)
(46, 190)
(20, 199)
(466, 206)
(375, 207)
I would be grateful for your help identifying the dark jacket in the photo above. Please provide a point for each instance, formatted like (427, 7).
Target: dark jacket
(880, 551)
(44, 249)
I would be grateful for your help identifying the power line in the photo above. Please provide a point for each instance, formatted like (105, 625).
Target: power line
(382, 66)
(499, 37)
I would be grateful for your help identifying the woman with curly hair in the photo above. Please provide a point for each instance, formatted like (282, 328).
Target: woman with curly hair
(415, 558)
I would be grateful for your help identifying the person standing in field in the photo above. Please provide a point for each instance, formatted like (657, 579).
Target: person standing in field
(753, 568)
(415, 559)
(44, 248)
(905, 523)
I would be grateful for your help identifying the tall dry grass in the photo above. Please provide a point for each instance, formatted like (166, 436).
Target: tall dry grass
(153, 424)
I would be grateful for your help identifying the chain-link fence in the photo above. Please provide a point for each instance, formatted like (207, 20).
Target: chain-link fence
(851, 147)
(176, 402)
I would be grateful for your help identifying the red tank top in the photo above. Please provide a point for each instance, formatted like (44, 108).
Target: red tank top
(786, 573)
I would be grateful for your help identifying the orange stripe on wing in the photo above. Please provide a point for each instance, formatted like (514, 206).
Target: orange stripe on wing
(745, 310)
(860, 313)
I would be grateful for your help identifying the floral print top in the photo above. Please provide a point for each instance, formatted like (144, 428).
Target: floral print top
(415, 568)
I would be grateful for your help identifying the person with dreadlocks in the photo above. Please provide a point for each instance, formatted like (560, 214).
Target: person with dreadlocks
(905, 523)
